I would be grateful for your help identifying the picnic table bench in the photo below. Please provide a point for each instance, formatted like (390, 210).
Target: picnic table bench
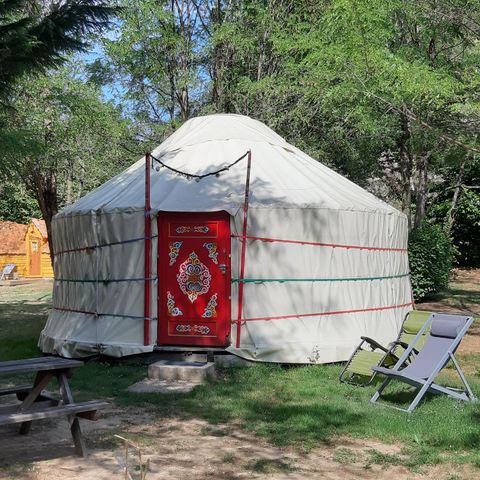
(37, 404)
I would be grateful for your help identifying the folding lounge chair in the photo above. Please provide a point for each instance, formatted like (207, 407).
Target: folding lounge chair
(369, 353)
(445, 335)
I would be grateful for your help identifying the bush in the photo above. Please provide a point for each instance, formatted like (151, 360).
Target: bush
(466, 229)
(431, 257)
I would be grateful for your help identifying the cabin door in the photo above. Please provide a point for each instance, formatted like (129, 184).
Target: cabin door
(194, 279)
(35, 255)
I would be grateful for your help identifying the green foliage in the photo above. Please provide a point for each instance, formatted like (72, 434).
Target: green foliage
(431, 257)
(158, 59)
(16, 205)
(381, 91)
(338, 90)
(35, 35)
(73, 140)
(386, 92)
(466, 231)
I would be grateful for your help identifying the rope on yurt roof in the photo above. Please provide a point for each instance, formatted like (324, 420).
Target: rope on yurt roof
(322, 314)
(351, 279)
(319, 244)
(189, 176)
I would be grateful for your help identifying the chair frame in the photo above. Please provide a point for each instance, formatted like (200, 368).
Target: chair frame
(428, 385)
(387, 350)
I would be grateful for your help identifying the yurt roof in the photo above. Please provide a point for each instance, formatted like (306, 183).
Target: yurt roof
(282, 176)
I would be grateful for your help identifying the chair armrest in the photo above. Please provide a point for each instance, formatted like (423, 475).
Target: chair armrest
(374, 344)
(404, 346)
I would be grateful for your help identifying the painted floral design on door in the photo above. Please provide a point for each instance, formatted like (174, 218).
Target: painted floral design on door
(174, 251)
(194, 277)
(172, 309)
(210, 310)
(212, 251)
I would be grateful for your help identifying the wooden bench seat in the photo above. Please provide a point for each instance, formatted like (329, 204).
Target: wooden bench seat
(15, 389)
(86, 410)
(34, 402)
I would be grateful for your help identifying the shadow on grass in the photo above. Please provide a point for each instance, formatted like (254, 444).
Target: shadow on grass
(261, 402)
(20, 327)
(307, 406)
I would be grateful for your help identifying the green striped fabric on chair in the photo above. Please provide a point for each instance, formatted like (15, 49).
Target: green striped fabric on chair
(413, 323)
(363, 361)
(358, 370)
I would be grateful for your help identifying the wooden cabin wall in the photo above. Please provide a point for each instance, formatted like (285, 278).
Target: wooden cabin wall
(20, 260)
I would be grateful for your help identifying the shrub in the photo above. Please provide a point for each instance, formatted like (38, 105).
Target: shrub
(466, 230)
(431, 257)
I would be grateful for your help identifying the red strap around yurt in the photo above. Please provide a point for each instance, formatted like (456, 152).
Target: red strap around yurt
(322, 314)
(318, 244)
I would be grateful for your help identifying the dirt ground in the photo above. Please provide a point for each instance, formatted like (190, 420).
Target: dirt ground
(191, 449)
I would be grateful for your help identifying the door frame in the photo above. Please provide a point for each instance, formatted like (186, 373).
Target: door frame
(162, 323)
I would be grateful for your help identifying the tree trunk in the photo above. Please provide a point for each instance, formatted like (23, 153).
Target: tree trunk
(406, 166)
(217, 60)
(421, 190)
(450, 220)
(69, 192)
(45, 190)
(184, 103)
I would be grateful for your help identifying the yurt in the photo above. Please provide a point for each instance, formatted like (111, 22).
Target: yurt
(227, 237)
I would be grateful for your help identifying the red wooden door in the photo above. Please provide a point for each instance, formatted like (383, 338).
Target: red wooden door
(194, 279)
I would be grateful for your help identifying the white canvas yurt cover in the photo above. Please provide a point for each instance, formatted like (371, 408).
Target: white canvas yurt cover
(325, 261)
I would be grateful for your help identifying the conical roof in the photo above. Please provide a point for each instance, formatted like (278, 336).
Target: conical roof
(282, 176)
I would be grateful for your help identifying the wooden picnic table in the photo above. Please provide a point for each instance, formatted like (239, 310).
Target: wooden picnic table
(33, 403)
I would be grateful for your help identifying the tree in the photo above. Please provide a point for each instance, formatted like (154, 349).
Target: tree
(158, 58)
(78, 140)
(36, 35)
(386, 91)
(16, 204)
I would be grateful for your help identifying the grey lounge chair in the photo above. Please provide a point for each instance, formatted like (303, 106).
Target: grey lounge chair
(445, 336)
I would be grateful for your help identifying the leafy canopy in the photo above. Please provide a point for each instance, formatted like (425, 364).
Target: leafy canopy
(37, 35)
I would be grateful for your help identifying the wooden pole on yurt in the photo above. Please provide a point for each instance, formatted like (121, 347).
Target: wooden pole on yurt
(148, 246)
(244, 248)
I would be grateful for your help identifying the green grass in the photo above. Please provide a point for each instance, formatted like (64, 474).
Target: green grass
(23, 311)
(303, 407)
(345, 455)
(264, 465)
(307, 406)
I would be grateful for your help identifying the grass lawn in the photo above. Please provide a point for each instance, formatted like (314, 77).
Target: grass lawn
(302, 407)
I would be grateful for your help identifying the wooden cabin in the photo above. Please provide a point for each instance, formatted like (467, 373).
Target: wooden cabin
(27, 247)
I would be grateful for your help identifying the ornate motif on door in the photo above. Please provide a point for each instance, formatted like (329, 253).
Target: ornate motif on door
(212, 251)
(172, 309)
(174, 251)
(193, 277)
(202, 329)
(210, 308)
(195, 229)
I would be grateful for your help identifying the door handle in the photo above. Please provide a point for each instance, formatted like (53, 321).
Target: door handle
(223, 268)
